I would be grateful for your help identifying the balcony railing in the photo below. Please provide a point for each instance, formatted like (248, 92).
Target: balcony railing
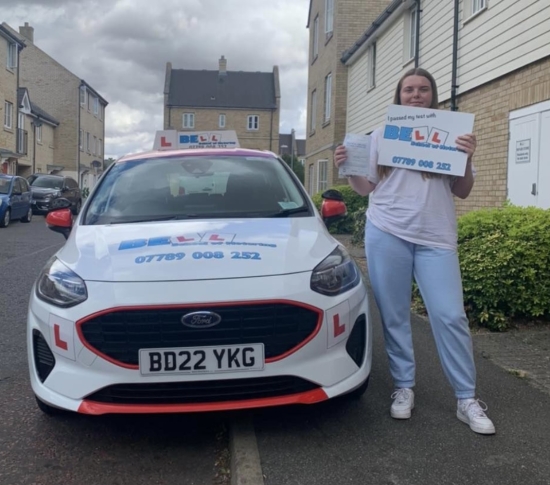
(22, 141)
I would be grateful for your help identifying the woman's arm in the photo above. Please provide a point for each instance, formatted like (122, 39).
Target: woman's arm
(361, 185)
(463, 185)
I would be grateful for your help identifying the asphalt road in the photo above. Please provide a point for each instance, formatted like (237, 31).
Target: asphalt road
(78, 450)
(357, 442)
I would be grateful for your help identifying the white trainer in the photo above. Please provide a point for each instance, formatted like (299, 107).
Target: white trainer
(472, 412)
(403, 403)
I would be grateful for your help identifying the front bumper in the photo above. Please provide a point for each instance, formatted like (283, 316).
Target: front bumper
(322, 367)
(41, 206)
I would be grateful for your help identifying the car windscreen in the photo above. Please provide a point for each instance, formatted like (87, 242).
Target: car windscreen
(5, 185)
(201, 187)
(48, 182)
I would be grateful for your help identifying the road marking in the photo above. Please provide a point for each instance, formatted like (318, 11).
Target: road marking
(246, 468)
(29, 254)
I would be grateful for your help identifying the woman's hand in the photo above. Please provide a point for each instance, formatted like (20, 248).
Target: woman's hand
(340, 155)
(467, 144)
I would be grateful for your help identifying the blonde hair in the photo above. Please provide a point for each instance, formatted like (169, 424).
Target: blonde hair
(383, 170)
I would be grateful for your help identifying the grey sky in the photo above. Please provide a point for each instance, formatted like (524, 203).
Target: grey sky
(120, 47)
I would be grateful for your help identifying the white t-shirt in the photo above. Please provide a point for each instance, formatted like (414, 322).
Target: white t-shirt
(415, 209)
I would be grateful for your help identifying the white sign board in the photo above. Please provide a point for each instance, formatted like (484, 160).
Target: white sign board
(523, 151)
(424, 139)
(173, 140)
(358, 156)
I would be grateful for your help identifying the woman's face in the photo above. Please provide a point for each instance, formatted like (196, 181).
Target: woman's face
(416, 91)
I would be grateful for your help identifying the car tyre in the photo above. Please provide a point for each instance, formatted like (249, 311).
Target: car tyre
(77, 207)
(28, 217)
(5, 222)
(49, 410)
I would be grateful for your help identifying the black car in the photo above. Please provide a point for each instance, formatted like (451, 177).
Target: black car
(46, 188)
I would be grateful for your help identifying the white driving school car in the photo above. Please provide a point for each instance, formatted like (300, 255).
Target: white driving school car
(198, 277)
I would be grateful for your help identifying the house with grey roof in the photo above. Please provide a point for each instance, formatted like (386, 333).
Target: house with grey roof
(246, 102)
(36, 133)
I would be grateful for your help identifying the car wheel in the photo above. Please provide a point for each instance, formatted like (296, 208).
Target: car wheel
(5, 222)
(358, 393)
(77, 207)
(49, 410)
(28, 217)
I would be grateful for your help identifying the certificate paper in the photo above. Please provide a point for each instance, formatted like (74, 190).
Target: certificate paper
(424, 139)
(358, 152)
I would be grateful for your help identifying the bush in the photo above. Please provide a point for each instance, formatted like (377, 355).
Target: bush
(505, 263)
(354, 203)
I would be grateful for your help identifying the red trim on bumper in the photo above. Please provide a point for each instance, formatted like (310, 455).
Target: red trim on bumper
(309, 397)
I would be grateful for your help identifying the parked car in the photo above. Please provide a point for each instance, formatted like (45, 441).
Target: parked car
(15, 200)
(197, 280)
(46, 188)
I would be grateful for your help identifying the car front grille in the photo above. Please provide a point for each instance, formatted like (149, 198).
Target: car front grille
(44, 361)
(202, 391)
(120, 334)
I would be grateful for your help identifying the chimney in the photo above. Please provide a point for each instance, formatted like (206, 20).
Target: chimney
(27, 31)
(222, 67)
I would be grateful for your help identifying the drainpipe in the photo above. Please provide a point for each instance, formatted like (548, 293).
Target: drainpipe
(271, 132)
(417, 41)
(454, 85)
(79, 140)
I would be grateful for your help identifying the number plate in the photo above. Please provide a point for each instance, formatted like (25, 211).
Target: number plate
(201, 360)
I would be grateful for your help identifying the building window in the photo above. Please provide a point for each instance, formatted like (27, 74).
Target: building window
(88, 142)
(322, 171)
(221, 121)
(94, 145)
(83, 94)
(39, 134)
(372, 66)
(100, 112)
(188, 120)
(253, 122)
(478, 5)
(8, 115)
(315, 51)
(99, 147)
(89, 103)
(313, 114)
(328, 97)
(96, 106)
(12, 56)
(80, 138)
(412, 34)
(329, 16)
(311, 179)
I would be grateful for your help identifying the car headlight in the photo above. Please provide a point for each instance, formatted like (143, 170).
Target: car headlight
(60, 286)
(336, 274)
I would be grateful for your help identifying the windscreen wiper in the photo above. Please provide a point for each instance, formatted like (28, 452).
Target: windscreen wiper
(289, 212)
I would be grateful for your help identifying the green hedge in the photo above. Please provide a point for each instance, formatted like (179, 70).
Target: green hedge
(505, 264)
(354, 203)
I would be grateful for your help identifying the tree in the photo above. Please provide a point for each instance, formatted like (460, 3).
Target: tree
(297, 166)
(108, 162)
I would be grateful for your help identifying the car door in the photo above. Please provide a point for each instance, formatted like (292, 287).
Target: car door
(26, 196)
(17, 199)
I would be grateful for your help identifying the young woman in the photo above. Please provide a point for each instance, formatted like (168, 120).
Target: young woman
(412, 231)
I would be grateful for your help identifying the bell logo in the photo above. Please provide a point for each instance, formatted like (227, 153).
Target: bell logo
(438, 137)
(420, 134)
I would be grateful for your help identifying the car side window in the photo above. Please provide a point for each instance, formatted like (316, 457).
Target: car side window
(17, 189)
(24, 185)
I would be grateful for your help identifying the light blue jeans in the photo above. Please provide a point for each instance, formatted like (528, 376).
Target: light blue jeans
(392, 263)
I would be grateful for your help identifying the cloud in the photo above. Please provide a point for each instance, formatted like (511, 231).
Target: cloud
(120, 47)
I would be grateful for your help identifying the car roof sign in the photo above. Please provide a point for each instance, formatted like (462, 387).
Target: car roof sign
(174, 140)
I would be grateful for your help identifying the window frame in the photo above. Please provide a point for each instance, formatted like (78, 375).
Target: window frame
(255, 126)
(8, 115)
(480, 4)
(327, 111)
(13, 58)
(315, 46)
(412, 34)
(191, 120)
(329, 17)
(313, 114)
(323, 163)
(221, 117)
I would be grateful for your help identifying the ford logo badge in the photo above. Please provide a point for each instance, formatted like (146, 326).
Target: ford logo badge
(201, 319)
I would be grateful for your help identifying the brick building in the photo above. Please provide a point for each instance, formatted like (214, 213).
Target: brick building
(334, 26)
(490, 58)
(247, 102)
(10, 137)
(79, 110)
